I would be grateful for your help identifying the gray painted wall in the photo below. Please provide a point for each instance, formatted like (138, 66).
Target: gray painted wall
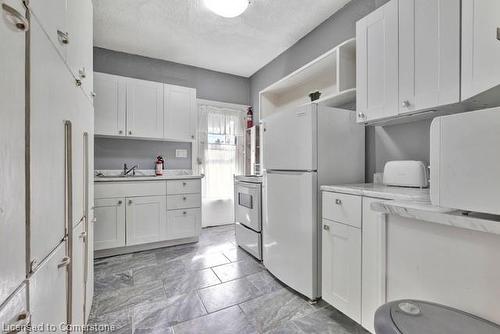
(112, 153)
(383, 143)
(209, 84)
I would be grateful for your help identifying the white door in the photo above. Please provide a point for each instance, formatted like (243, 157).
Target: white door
(341, 269)
(51, 95)
(290, 139)
(180, 113)
(109, 226)
(12, 149)
(429, 54)
(146, 217)
(51, 15)
(373, 263)
(290, 229)
(109, 104)
(79, 53)
(144, 108)
(480, 46)
(48, 291)
(89, 281)
(183, 224)
(377, 63)
(77, 275)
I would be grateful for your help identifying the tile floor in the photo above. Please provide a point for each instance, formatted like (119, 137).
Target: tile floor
(207, 287)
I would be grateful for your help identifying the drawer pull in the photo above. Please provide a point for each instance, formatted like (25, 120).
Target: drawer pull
(184, 184)
(22, 321)
(326, 227)
(184, 212)
(184, 198)
(338, 201)
(64, 262)
(120, 202)
(129, 202)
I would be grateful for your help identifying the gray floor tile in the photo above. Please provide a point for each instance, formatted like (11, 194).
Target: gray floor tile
(273, 310)
(189, 281)
(236, 254)
(227, 294)
(159, 272)
(204, 261)
(103, 283)
(329, 321)
(231, 271)
(114, 300)
(227, 321)
(265, 282)
(123, 264)
(119, 321)
(287, 328)
(160, 316)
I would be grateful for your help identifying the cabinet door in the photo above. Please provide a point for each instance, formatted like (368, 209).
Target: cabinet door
(146, 218)
(341, 270)
(377, 63)
(14, 311)
(109, 104)
(12, 149)
(89, 266)
(373, 265)
(144, 108)
(183, 224)
(180, 113)
(51, 15)
(48, 288)
(429, 54)
(480, 46)
(109, 226)
(52, 104)
(79, 53)
(77, 275)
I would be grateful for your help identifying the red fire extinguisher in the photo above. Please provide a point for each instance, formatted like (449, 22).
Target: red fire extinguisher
(249, 118)
(159, 166)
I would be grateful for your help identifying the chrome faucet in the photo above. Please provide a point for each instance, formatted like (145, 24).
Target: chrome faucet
(127, 171)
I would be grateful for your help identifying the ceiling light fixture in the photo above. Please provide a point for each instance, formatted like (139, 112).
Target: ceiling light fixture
(227, 8)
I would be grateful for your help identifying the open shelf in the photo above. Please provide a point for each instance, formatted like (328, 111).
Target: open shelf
(333, 74)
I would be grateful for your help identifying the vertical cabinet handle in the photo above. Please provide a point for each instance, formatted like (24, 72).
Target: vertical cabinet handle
(63, 37)
(16, 18)
(64, 262)
(498, 33)
(21, 322)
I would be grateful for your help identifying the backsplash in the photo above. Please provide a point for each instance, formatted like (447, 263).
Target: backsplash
(110, 153)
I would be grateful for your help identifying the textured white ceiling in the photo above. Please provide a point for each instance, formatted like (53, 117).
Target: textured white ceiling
(184, 31)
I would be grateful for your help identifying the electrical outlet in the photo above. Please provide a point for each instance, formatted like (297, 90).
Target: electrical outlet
(181, 153)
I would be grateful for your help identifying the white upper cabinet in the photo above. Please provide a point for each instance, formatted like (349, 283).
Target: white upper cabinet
(180, 113)
(12, 161)
(144, 108)
(377, 63)
(109, 104)
(79, 53)
(429, 54)
(480, 46)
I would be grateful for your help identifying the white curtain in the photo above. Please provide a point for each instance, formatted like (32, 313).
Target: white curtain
(221, 149)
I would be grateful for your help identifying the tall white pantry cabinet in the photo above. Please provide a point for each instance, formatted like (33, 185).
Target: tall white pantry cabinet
(46, 141)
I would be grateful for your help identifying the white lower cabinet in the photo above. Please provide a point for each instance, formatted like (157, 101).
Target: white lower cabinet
(183, 224)
(109, 226)
(14, 313)
(78, 275)
(48, 288)
(373, 263)
(145, 219)
(341, 268)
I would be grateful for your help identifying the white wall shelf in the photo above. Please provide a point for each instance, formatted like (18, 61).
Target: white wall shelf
(333, 74)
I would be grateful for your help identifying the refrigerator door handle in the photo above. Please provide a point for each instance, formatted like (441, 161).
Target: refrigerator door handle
(289, 172)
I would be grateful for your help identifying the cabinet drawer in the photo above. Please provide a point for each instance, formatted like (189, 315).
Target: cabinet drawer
(129, 189)
(14, 311)
(183, 224)
(185, 201)
(342, 208)
(175, 187)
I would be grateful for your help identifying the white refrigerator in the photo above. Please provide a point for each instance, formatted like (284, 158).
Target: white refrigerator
(304, 148)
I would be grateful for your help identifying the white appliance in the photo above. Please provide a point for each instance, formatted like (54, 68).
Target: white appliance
(406, 173)
(465, 161)
(252, 150)
(248, 213)
(304, 148)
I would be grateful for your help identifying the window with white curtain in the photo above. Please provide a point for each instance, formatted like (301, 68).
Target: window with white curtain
(221, 149)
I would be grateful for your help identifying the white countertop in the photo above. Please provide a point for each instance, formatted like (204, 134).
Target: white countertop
(145, 175)
(381, 191)
(425, 211)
